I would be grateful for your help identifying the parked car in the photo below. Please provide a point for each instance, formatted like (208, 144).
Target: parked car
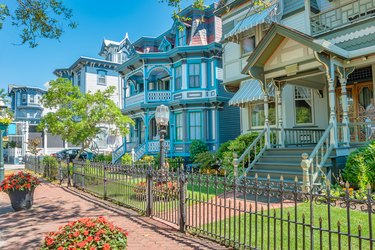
(72, 153)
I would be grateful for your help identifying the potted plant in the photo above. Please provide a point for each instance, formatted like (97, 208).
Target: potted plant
(86, 233)
(20, 188)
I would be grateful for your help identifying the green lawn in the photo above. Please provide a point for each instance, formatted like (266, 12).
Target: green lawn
(283, 234)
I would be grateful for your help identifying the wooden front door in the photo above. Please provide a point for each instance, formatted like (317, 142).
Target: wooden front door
(360, 97)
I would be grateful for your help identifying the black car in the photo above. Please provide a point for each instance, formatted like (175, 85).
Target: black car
(72, 153)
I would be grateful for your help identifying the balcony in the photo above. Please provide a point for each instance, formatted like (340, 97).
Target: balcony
(346, 14)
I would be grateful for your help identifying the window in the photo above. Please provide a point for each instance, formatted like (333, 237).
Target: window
(178, 78)
(32, 98)
(24, 99)
(179, 127)
(303, 99)
(181, 37)
(79, 79)
(248, 44)
(194, 75)
(257, 114)
(101, 77)
(195, 126)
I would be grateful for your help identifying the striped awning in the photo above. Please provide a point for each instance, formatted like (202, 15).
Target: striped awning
(268, 15)
(250, 92)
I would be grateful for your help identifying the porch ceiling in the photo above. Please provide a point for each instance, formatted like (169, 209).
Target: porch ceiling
(314, 80)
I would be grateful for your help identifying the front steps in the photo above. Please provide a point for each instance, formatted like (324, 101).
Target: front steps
(286, 162)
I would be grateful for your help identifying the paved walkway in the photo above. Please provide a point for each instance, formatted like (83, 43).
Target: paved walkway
(55, 206)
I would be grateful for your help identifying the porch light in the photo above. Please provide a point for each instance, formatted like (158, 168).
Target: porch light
(162, 115)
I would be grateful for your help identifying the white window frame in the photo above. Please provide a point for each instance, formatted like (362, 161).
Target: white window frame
(295, 107)
(243, 52)
(102, 77)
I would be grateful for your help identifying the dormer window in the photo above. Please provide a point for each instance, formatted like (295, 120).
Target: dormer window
(181, 37)
(102, 77)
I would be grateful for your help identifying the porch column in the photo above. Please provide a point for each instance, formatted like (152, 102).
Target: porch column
(281, 134)
(266, 120)
(345, 117)
(332, 116)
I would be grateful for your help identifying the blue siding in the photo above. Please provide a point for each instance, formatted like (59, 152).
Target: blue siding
(229, 123)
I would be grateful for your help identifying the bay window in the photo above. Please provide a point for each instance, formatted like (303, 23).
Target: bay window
(195, 125)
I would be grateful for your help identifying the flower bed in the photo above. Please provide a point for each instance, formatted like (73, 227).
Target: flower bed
(87, 233)
(161, 190)
(21, 181)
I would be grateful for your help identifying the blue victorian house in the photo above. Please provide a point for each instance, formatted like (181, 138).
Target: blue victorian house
(182, 69)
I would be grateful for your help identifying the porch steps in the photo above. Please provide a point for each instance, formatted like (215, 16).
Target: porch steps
(286, 162)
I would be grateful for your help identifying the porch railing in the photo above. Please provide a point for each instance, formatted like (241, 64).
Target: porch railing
(317, 159)
(253, 152)
(158, 96)
(343, 15)
(154, 146)
(118, 153)
(302, 136)
(360, 132)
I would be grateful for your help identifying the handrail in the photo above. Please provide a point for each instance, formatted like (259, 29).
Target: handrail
(254, 146)
(320, 155)
(118, 153)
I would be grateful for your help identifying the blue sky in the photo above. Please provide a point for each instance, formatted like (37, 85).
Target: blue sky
(109, 19)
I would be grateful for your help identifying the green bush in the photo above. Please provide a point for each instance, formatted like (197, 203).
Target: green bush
(206, 160)
(104, 157)
(197, 147)
(360, 167)
(51, 167)
(238, 145)
(126, 159)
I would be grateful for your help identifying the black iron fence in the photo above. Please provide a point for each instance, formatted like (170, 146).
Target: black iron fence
(242, 213)
(60, 169)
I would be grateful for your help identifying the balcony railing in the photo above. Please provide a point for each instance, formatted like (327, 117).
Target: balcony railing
(158, 96)
(341, 16)
(138, 98)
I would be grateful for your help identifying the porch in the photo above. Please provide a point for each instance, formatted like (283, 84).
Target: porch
(303, 106)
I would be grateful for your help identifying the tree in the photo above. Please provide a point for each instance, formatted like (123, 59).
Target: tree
(200, 4)
(79, 116)
(33, 145)
(38, 19)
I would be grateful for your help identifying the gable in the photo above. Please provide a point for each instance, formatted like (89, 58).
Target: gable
(288, 52)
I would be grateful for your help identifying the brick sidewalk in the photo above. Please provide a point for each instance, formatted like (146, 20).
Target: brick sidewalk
(55, 206)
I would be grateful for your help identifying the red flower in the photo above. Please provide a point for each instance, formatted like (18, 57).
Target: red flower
(92, 248)
(81, 244)
(106, 246)
(97, 238)
(76, 234)
(60, 248)
(86, 233)
(90, 238)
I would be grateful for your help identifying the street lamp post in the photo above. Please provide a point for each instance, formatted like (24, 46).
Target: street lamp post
(162, 120)
(3, 127)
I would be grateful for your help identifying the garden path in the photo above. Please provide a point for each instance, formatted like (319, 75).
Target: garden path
(55, 206)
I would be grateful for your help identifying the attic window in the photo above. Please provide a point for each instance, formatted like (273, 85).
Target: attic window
(181, 37)
(102, 77)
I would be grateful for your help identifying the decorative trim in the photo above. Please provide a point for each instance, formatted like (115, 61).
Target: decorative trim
(353, 35)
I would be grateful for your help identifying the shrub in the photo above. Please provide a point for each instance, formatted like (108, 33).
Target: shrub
(51, 167)
(206, 160)
(104, 157)
(197, 147)
(87, 233)
(126, 159)
(238, 145)
(360, 167)
(20, 181)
